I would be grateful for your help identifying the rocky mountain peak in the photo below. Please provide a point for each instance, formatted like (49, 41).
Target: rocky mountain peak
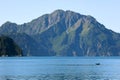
(64, 33)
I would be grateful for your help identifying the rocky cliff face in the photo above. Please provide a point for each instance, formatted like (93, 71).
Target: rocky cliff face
(64, 33)
(8, 47)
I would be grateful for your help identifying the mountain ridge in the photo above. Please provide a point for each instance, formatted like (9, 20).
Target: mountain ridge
(65, 33)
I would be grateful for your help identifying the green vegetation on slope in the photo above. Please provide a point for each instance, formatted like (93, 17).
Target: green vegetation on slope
(8, 47)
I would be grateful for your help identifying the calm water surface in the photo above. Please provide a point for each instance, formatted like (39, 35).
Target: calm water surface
(60, 68)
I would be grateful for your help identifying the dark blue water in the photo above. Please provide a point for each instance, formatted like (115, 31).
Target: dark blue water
(60, 68)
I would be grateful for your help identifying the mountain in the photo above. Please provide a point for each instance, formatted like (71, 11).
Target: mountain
(63, 33)
(8, 47)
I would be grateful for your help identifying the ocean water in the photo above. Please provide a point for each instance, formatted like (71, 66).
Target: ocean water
(60, 68)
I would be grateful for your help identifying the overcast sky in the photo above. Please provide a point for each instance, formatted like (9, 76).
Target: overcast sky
(106, 12)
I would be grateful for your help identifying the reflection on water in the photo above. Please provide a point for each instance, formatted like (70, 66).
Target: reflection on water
(59, 69)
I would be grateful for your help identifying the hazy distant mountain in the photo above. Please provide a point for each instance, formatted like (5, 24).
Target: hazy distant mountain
(64, 33)
(8, 47)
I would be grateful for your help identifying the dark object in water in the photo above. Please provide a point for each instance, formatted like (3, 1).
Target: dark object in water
(97, 63)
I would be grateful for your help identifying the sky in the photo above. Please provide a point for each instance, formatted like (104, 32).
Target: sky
(107, 12)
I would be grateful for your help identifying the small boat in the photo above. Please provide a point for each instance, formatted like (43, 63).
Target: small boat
(97, 63)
